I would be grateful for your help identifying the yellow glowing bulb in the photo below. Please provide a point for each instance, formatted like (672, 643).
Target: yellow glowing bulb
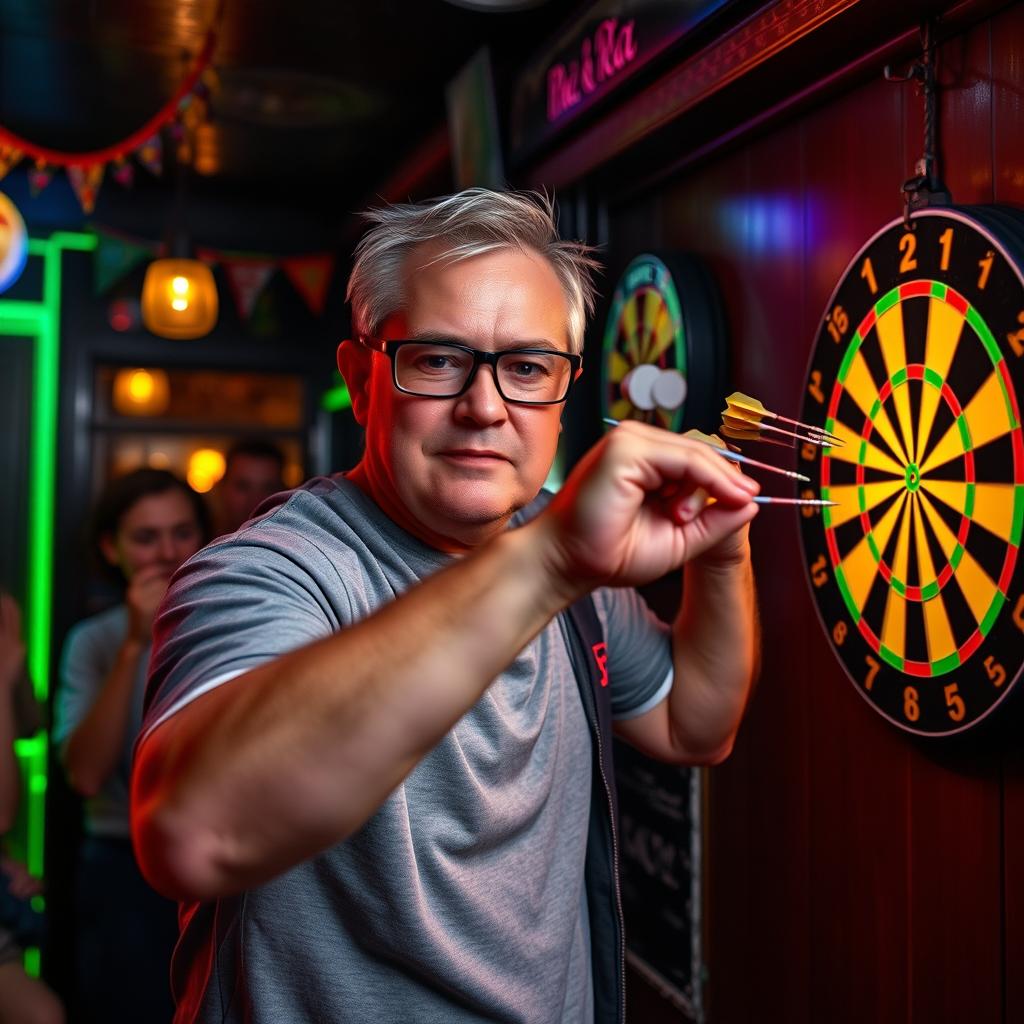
(179, 305)
(179, 285)
(141, 386)
(205, 468)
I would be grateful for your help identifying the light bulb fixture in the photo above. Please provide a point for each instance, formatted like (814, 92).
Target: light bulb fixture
(179, 295)
(205, 467)
(179, 298)
(141, 392)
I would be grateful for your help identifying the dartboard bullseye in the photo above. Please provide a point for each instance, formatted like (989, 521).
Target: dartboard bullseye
(664, 344)
(917, 368)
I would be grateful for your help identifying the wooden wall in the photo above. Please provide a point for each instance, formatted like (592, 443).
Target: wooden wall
(854, 876)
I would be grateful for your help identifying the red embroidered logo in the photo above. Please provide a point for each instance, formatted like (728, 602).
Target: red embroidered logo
(601, 657)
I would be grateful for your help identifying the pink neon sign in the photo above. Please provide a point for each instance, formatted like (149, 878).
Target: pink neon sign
(612, 48)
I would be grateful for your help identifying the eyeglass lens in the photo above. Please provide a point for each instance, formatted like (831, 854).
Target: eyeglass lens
(522, 376)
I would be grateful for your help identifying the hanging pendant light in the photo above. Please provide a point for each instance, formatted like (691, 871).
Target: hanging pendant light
(179, 295)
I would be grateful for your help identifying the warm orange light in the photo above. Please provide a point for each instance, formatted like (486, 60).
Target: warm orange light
(139, 392)
(205, 467)
(179, 299)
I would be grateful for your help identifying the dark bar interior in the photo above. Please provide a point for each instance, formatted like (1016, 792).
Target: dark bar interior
(312, 710)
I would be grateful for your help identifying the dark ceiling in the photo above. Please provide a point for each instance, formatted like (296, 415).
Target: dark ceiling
(319, 99)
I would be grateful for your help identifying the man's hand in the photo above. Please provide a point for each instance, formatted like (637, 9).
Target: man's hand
(638, 505)
(143, 597)
(12, 648)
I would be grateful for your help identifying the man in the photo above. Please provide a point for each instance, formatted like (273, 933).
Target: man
(252, 473)
(367, 768)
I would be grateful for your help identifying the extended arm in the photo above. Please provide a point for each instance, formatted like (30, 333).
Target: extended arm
(274, 766)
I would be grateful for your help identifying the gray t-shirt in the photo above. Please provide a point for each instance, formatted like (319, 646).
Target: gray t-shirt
(90, 651)
(462, 898)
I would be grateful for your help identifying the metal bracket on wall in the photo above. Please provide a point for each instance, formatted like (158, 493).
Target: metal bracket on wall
(926, 188)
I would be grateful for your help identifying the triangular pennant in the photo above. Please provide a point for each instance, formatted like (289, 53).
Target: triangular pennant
(151, 155)
(86, 183)
(246, 278)
(9, 157)
(124, 173)
(38, 178)
(115, 257)
(310, 275)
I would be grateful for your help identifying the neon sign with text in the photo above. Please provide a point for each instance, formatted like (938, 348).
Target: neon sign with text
(611, 48)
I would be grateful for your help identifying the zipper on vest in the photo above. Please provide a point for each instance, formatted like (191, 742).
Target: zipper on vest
(615, 873)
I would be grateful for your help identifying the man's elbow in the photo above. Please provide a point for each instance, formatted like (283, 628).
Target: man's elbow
(175, 856)
(175, 853)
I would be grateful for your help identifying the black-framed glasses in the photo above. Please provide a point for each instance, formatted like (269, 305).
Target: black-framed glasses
(447, 369)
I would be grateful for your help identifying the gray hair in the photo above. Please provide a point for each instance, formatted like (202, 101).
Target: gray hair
(471, 223)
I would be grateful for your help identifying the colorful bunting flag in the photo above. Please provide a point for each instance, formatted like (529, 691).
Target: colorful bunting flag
(310, 276)
(38, 178)
(115, 256)
(9, 157)
(247, 277)
(151, 154)
(86, 182)
(124, 173)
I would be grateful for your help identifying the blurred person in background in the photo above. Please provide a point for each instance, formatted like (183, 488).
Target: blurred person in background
(254, 471)
(146, 524)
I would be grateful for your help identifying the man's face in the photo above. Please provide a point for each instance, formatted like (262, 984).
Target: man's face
(248, 480)
(461, 466)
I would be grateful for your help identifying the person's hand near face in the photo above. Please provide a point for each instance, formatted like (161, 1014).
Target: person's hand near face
(143, 596)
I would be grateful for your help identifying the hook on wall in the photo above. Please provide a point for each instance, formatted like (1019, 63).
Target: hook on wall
(926, 188)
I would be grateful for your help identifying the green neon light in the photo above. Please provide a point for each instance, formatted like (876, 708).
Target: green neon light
(336, 399)
(41, 321)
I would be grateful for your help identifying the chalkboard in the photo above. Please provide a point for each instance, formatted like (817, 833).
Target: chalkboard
(660, 869)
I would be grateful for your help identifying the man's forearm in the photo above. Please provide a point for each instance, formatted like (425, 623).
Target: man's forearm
(271, 768)
(716, 644)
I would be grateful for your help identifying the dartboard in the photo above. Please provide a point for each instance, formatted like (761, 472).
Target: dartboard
(664, 344)
(917, 367)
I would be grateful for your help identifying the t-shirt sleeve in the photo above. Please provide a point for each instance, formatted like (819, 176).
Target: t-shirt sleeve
(235, 605)
(84, 664)
(639, 651)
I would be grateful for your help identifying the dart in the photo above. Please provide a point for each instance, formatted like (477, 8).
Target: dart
(747, 433)
(750, 409)
(753, 431)
(771, 500)
(728, 453)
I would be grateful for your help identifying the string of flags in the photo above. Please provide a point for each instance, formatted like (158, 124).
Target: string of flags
(247, 273)
(181, 115)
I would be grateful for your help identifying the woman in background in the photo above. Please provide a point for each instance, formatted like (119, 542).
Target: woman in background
(145, 525)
